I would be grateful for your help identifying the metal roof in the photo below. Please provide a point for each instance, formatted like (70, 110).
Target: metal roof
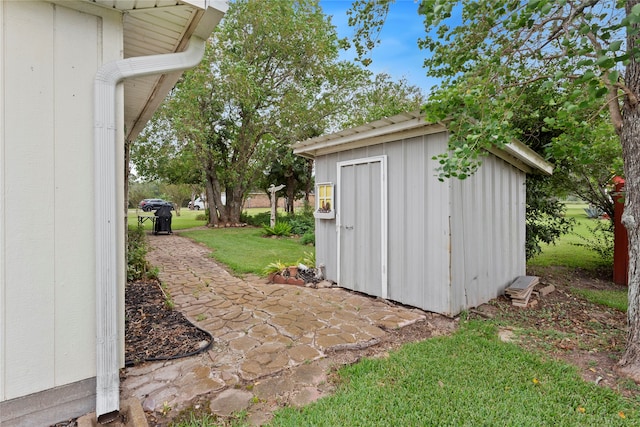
(409, 125)
(153, 27)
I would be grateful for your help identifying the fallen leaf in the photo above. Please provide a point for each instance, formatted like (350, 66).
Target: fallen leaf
(621, 415)
(581, 409)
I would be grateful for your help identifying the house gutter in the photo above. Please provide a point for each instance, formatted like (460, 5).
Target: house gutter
(107, 221)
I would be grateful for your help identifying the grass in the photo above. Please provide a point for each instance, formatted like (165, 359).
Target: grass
(565, 252)
(609, 298)
(244, 250)
(470, 378)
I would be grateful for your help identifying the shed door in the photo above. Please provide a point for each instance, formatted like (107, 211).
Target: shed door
(362, 225)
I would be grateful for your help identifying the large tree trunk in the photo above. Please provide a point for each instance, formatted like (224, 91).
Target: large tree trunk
(291, 193)
(213, 216)
(630, 139)
(630, 362)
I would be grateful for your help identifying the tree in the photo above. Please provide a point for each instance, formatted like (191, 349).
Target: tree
(383, 97)
(294, 172)
(587, 49)
(270, 77)
(377, 97)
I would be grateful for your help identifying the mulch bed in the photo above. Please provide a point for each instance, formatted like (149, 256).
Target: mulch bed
(154, 331)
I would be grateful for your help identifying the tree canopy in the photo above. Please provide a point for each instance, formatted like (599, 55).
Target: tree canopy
(271, 76)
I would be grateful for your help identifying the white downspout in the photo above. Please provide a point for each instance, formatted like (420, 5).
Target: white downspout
(107, 78)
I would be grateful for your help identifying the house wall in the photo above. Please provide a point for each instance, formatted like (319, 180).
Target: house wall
(488, 233)
(49, 56)
(418, 221)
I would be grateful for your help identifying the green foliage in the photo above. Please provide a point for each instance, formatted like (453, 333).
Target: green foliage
(382, 97)
(308, 238)
(545, 216)
(137, 266)
(230, 246)
(255, 93)
(489, 59)
(309, 259)
(274, 267)
(564, 251)
(257, 220)
(367, 18)
(281, 229)
(600, 240)
(302, 223)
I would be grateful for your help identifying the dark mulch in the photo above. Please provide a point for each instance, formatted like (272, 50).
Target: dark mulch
(155, 331)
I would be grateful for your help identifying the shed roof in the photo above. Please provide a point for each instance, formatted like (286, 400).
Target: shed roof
(154, 27)
(408, 125)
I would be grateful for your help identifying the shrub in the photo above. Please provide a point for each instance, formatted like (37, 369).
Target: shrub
(137, 266)
(301, 224)
(258, 220)
(280, 229)
(601, 240)
(308, 238)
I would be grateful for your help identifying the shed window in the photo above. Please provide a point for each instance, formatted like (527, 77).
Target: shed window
(325, 207)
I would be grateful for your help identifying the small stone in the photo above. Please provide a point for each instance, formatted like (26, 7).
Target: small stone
(229, 401)
(324, 284)
(149, 404)
(546, 290)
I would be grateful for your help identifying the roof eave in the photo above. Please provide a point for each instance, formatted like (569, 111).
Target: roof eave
(409, 125)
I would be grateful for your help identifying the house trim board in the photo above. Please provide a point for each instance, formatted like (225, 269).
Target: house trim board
(49, 406)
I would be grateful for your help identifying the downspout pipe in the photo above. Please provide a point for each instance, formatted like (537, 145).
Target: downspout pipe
(106, 227)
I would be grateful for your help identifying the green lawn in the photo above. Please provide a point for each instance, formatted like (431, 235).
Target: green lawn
(565, 252)
(471, 379)
(244, 250)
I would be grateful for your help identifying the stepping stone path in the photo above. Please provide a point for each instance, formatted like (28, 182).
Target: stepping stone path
(259, 330)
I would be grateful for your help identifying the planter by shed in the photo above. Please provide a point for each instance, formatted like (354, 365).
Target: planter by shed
(401, 234)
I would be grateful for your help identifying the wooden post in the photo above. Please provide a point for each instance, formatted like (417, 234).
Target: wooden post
(272, 191)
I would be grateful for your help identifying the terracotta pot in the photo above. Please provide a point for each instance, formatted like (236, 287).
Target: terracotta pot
(294, 281)
(278, 279)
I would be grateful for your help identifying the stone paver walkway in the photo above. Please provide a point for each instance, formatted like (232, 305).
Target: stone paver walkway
(259, 329)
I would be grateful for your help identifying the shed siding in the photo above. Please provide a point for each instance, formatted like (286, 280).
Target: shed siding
(418, 222)
(48, 305)
(488, 233)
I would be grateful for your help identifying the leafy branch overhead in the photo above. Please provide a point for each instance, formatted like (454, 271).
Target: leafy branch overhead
(499, 48)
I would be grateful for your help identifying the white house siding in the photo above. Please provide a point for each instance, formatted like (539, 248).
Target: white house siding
(49, 57)
(488, 233)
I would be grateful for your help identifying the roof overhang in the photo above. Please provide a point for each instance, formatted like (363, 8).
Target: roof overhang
(408, 125)
(154, 27)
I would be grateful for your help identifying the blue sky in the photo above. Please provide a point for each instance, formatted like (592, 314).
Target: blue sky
(397, 54)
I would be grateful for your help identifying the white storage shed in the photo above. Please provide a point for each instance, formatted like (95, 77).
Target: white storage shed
(78, 80)
(386, 226)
